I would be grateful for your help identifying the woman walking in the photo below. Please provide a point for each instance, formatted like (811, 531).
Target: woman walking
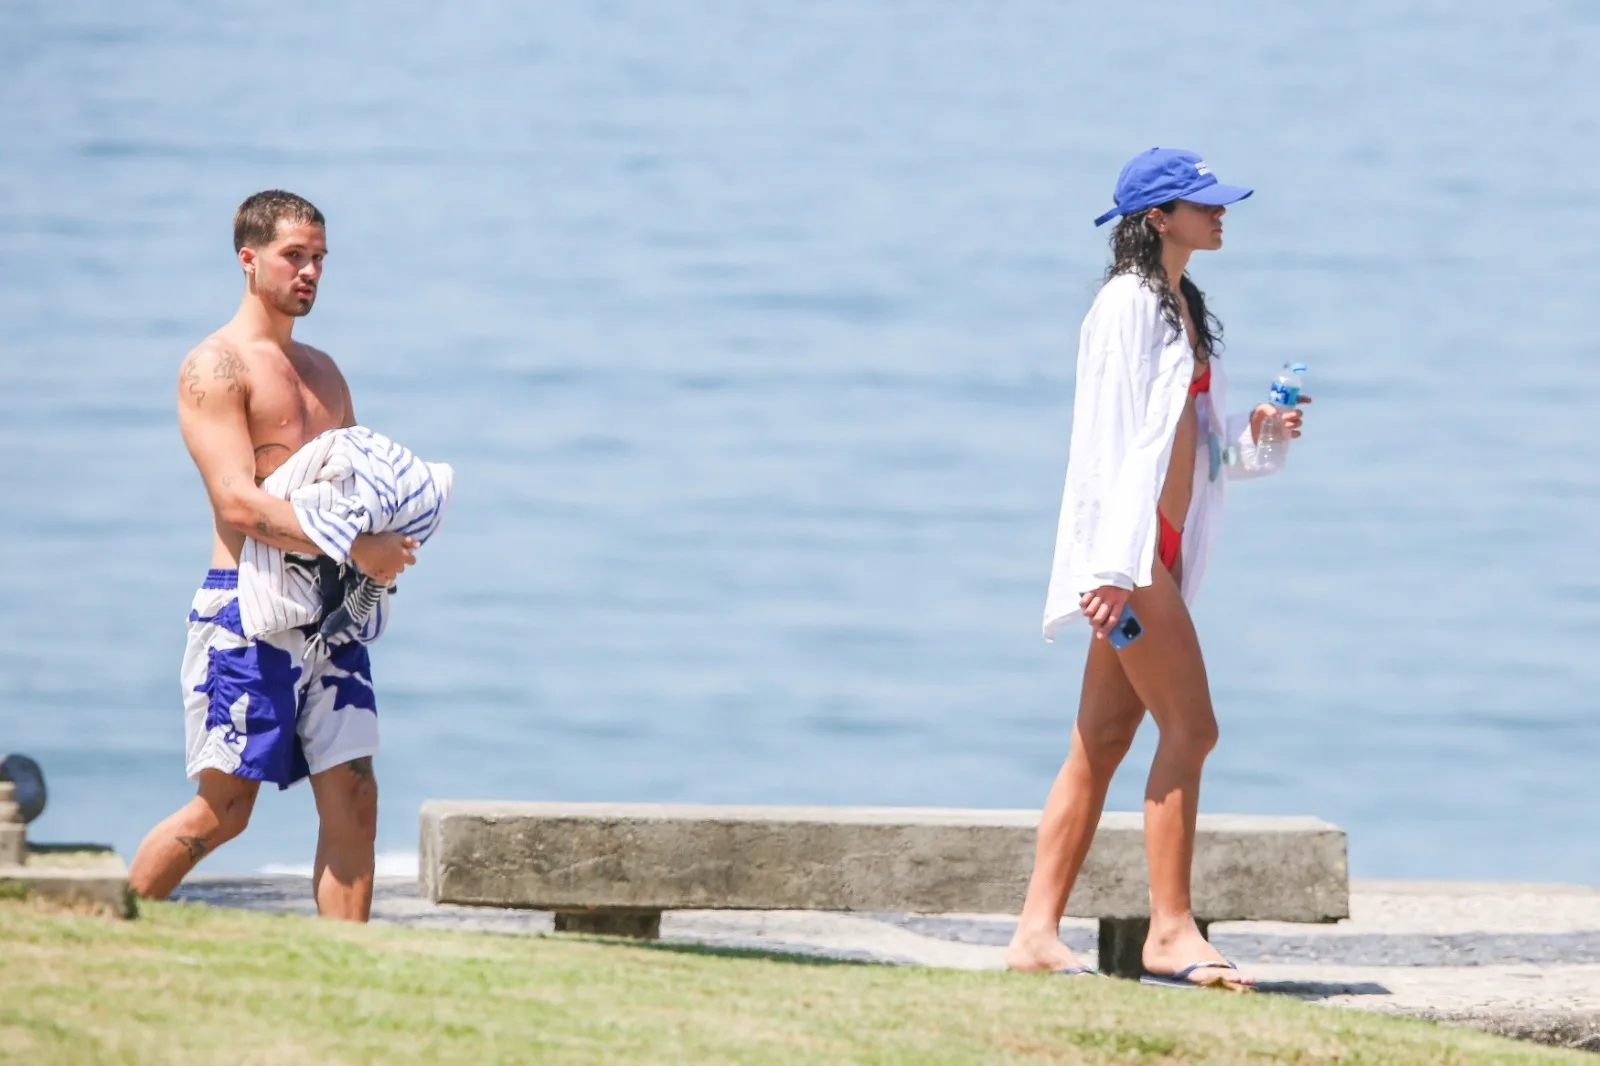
(1152, 445)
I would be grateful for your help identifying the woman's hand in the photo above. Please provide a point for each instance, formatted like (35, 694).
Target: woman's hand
(1103, 607)
(1293, 420)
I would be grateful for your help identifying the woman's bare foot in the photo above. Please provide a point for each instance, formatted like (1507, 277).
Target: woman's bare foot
(1173, 950)
(1036, 951)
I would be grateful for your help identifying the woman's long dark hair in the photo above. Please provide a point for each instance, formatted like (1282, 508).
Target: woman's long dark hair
(1136, 249)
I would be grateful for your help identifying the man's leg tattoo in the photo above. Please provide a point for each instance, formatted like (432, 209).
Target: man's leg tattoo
(195, 846)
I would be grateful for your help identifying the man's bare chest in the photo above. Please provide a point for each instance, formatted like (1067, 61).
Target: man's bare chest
(286, 409)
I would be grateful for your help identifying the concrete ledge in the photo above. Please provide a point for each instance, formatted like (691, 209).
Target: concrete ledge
(13, 845)
(639, 857)
(13, 830)
(84, 876)
(1578, 1030)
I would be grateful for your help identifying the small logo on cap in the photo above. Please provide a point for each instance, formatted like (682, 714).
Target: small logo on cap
(1202, 168)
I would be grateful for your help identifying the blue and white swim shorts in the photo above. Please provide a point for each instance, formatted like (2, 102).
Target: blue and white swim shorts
(257, 709)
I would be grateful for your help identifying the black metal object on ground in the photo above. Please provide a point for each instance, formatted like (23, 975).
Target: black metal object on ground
(25, 774)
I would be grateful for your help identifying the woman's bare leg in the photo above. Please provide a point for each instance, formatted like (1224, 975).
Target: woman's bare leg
(1165, 668)
(1108, 716)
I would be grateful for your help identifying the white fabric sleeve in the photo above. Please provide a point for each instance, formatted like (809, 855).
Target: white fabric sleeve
(1142, 390)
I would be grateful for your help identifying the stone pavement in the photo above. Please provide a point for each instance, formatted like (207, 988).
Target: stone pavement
(1519, 960)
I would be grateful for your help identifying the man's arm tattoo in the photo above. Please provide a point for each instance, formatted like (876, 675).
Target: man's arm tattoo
(266, 450)
(231, 368)
(195, 846)
(267, 528)
(189, 374)
(361, 767)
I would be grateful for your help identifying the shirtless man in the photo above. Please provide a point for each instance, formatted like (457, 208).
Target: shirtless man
(248, 398)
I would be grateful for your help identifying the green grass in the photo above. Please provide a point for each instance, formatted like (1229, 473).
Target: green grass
(190, 984)
(73, 857)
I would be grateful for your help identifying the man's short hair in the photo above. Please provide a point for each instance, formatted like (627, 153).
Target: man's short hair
(256, 221)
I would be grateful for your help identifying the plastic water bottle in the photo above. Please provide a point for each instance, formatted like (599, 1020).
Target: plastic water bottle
(1285, 396)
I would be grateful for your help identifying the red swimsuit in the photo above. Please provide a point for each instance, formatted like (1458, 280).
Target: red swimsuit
(1170, 541)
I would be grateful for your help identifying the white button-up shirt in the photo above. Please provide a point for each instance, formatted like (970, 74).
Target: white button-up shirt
(1134, 372)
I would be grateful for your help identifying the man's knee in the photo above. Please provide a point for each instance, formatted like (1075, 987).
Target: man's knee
(232, 819)
(349, 802)
(230, 801)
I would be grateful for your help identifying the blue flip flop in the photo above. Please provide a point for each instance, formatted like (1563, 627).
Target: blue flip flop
(1074, 971)
(1180, 979)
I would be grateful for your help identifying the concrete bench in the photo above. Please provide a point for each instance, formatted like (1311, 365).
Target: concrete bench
(82, 875)
(609, 868)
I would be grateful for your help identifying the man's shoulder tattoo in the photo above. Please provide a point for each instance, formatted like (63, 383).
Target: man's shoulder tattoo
(230, 367)
(227, 370)
(189, 376)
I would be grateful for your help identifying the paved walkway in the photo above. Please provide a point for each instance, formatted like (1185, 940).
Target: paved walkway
(1520, 960)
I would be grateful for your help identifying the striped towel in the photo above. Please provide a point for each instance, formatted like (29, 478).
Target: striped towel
(344, 483)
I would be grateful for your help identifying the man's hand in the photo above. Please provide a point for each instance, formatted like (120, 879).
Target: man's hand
(1293, 420)
(381, 556)
(1103, 607)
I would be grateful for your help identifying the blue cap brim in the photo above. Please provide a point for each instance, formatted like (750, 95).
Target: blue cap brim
(1215, 195)
(1218, 195)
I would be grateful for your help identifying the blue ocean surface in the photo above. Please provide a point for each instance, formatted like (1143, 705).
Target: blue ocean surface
(749, 329)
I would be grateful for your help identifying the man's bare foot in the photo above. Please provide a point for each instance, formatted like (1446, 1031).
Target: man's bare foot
(1181, 948)
(1038, 951)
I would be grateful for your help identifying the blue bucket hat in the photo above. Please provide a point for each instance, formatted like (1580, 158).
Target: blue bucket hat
(1159, 175)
